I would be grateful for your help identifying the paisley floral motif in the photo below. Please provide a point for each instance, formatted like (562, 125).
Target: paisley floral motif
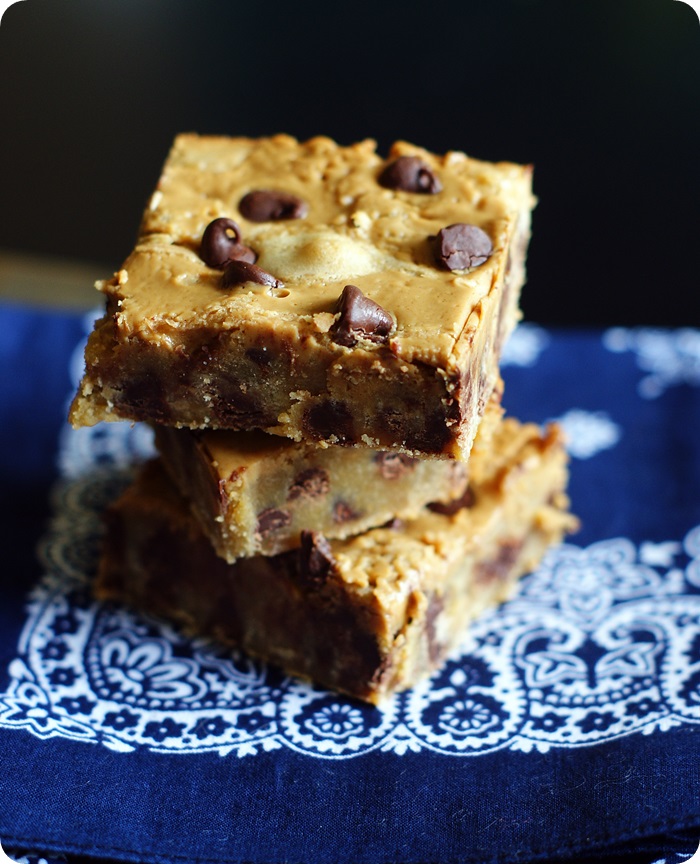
(336, 721)
(144, 669)
(524, 346)
(588, 432)
(599, 642)
(670, 357)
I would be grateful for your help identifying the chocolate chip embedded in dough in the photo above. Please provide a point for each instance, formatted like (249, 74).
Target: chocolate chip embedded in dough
(449, 508)
(394, 465)
(271, 520)
(268, 205)
(261, 355)
(461, 246)
(331, 419)
(360, 317)
(436, 648)
(316, 560)
(238, 272)
(343, 512)
(499, 568)
(410, 174)
(311, 483)
(434, 434)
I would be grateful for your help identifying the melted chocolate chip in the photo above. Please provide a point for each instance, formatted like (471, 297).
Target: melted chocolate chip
(410, 174)
(460, 246)
(219, 239)
(327, 420)
(311, 483)
(449, 508)
(261, 356)
(316, 559)
(498, 569)
(272, 520)
(434, 435)
(146, 396)
(360, 317)
(343, 512)
(393, 465)
(267, 205)
(238, 272)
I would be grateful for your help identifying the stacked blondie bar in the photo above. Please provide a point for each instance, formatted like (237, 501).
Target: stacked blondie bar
(314, 333)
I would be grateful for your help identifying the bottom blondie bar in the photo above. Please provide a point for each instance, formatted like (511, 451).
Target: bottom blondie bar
(368, 615)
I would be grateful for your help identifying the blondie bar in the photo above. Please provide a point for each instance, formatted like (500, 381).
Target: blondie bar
(368, 615)
(315, 291)
(254, 493)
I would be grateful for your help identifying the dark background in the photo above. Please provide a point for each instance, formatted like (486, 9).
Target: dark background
(603, 96)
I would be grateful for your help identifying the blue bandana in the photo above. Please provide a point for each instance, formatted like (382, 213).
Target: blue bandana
(567, 727)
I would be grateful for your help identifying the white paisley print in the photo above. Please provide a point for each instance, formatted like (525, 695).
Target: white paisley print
(599, 642)
(524, 346)
(670, 357)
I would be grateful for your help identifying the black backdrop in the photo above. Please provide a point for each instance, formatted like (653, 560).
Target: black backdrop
(603, 96)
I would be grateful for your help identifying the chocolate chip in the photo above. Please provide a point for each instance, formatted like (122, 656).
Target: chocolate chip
(436, 606)
(393, 465)
(311, 483)
(316, 560)
(243, 253)
(428, 433)
(329, 419)
(499, 568)
(460, 246)
(410, 174)
(272, 520)
(261, 356)
(360, 317)
(434, 434)
(219, 238)
(238, 272)
(267, 205)
(145, 395)
(343, 512)
(449, 508)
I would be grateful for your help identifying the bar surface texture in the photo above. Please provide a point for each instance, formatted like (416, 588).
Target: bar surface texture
(315, 291)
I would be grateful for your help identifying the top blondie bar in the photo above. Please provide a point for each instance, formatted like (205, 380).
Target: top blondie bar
(316, 291)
